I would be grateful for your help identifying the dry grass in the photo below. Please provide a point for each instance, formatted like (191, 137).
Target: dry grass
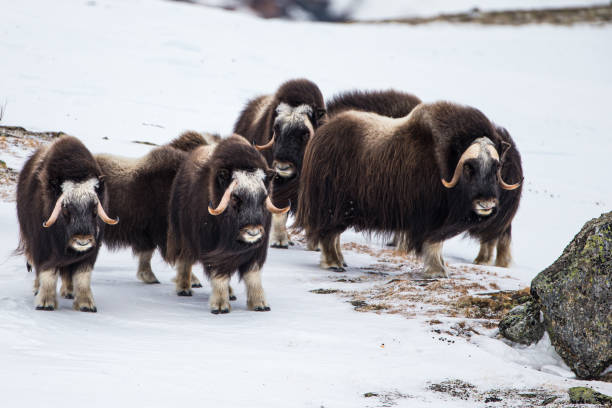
(395, 285)
(17, 142)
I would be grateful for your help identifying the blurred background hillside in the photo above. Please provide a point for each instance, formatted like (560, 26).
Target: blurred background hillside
(352, 10)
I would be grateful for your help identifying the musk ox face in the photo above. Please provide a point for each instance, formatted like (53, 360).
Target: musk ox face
(76, 214)
(293, 128)
(477, 177)
(244, 205)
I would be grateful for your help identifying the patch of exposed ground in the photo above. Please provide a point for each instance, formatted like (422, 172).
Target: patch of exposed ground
(598, 15)
(507, 397)
(17, 142)
(470, 301)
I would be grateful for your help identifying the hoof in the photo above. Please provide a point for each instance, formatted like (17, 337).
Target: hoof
(344, 264)
(196, 285)
(35, 293)
(279, 246)
(48, 308)
(262, 309)
(88, 309)
(68, 296)
(233, 297)
(219, 311)
(336, 269)
(184, 293)
(291, 243)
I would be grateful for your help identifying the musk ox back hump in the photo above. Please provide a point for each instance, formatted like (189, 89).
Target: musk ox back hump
(391, 103)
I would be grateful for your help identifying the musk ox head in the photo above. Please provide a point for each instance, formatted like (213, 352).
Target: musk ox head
(76, 213)
(244, 204)
(293, 128)
(478, 177)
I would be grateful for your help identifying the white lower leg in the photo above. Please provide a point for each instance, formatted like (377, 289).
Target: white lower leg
(46, 299)
(434, 263)
(145, 273)
(339, 255)
(83, 298)
(330, 255)
(504, 252)
(279, 237)
(66, 291)
(485, 254)
(219, 298)
(256, 298)
(183, 278)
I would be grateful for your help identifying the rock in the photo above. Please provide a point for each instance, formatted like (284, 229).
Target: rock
(522, 324)
(575, 294)
(584, 395)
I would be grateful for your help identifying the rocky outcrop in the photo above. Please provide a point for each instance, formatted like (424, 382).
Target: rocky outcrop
(575, 296)
(522, 324)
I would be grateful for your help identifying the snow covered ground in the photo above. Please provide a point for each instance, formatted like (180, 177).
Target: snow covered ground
(112, 72)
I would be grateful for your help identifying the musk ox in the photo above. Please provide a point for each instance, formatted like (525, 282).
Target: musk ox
(60, 207)
(139, 191)
(220, 217)
(281, 125)
(386, 175)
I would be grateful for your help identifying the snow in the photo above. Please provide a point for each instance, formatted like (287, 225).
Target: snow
(147, 70)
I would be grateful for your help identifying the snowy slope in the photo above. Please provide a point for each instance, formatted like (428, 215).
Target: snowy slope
(146, 70)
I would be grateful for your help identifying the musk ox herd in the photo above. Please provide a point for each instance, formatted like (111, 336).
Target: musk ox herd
(381, 162)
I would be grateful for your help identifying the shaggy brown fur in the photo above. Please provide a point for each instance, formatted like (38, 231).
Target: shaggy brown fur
(391, 103)
(38, 189)
(382, 175)
(140, 191)
(256, 124)
(196, 236)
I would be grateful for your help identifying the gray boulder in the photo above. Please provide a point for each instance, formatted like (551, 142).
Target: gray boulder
(522, 324)
(575, 295)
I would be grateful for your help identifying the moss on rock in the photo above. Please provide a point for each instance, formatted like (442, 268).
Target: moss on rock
(575, 294)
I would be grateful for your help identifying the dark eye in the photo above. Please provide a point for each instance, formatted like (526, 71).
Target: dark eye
(65, 212)
(235, 200)
(468, 169)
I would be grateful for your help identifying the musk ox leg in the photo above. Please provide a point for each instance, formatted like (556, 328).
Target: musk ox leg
(339, 251)
(232, 296)
(219, 298)
(312, 245)
(331, 256)
(485, 255)
(279, 238)
(256, 298)
(504, 254)
(195, 282)
(183, 278)
(434, 264)
(67, 290)
(145, 273)
(36, 285)
(46, 299)
(83, 298)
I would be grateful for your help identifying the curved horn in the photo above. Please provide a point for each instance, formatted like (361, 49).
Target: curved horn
(505, 185)
(507, 146)
(224, 200)
(104, 217)
(274, 209)
(267, 145)
(470, 153)
(55, 212)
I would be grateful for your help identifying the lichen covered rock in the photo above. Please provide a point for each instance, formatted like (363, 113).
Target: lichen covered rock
(584, 395)
(522, 324)
(575, 294)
